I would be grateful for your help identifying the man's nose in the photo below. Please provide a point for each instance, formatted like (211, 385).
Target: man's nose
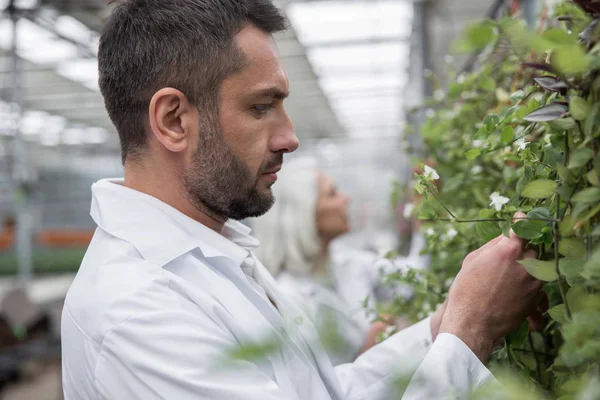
(285, 140)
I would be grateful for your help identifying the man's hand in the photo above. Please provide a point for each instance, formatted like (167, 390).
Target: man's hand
(491, 295)
(436, 319)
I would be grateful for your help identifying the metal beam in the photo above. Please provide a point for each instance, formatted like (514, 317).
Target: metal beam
(357, 42)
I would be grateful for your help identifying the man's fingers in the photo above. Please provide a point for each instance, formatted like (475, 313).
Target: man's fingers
(536, 321)
(475, 253)
(513, 236)
(543, 302)
(530, 254)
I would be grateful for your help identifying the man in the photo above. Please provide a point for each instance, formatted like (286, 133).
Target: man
(169, 287)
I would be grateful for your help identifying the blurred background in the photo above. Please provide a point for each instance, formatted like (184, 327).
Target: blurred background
(357, 70)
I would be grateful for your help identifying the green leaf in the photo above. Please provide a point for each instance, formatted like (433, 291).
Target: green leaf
(580, 300)
(517, 96)
(571, 247)
(559, 313)
(592, 177)
(518, 337)
(476, 37)
(487, 83)
(482, 133)
(539, 189)
(528, 229)
(490, 122)
(571, 268)
(486, 213)
(564, 191)
(473, 154)
(559, 36)
(552, 156)
(570, 59)
(542, 270)
(565, 227)
(587, 195)
(593, 211)
(579, 108)
(506, 226)
(580, 157)
(562, 124)
(487, 231)
(592, 266)
(591, 122)
(539, 212)
(508, 133)
(565, 175)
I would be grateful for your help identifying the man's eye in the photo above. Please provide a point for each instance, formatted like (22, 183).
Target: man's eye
(261, 108)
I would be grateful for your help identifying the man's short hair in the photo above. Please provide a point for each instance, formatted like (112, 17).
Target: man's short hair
(189, 45)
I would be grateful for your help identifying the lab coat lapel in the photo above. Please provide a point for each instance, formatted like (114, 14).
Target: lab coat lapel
(234, 293)
(306, 331)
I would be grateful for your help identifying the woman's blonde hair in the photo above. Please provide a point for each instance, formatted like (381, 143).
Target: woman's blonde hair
(288, 235)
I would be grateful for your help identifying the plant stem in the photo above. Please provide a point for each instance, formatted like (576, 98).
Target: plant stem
(538, 368)
(459, 220)
(557, 260)
(566, 148)
(508, 353)
(442, 204)
(527, 131)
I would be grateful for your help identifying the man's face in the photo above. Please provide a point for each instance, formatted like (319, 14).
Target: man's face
(238, 155)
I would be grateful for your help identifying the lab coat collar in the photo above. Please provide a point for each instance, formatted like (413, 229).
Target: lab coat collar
(158, 231)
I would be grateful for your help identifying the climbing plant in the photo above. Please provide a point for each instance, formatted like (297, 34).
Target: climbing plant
(522, 133)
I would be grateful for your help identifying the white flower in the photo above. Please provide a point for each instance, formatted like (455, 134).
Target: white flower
(498, 201)
(476, 169)
(461, 78)
(547, 138)
(426, 307)
(478, 143)
(430, 173)
(439, 95)
(429, 113)
(408, 209)
(429, 232)
(452, 233)
(521, 144)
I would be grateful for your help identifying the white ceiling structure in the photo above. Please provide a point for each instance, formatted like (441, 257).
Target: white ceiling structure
(346, 60)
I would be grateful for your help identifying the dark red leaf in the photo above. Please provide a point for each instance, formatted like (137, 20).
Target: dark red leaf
(542, 67)
(547, 113)
(552, 84)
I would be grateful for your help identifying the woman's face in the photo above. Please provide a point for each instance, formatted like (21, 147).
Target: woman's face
(332, 210)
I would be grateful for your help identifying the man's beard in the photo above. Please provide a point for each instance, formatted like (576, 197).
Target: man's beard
(219, 181)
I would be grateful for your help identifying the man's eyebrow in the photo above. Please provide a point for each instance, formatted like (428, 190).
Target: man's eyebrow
(271, 92)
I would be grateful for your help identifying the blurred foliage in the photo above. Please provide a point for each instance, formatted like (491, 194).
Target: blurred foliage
(44, 261)
(522, 132)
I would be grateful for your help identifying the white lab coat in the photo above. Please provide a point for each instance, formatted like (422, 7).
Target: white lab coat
(331, 315)
(160, 301)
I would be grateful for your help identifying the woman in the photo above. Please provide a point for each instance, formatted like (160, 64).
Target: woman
(296, 236)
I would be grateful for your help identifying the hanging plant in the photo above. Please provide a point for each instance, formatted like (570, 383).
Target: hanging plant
(522, 133)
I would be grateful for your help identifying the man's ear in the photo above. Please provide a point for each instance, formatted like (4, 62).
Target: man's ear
(172, 119)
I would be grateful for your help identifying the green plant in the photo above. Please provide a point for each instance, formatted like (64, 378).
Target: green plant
(522, 132)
